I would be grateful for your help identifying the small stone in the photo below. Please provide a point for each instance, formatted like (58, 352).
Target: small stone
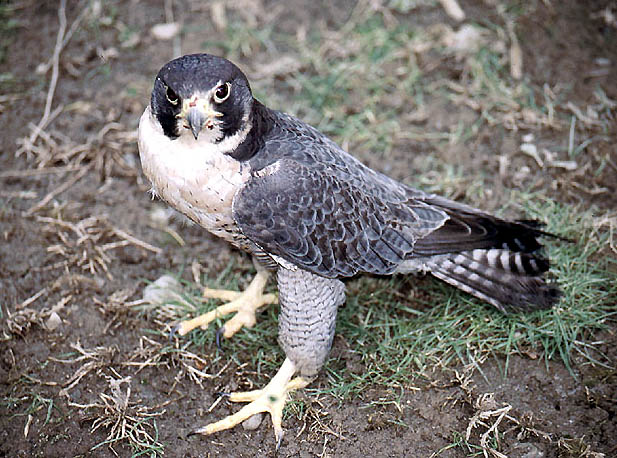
(160, 216)
(467, 40)
(164, 290)
(108, 54)
(53, 322)
(165, 31)
(529, 148)
(525, 450)
(252, 423)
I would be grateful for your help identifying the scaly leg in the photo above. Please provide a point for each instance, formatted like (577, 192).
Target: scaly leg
(306, 328)
(270, 399)
(245, 304)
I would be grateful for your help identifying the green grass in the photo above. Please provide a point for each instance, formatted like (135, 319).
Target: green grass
(138, 446)
(7, 29)
(258, 347)
(405, 331)
(37, 403)
(358, 85)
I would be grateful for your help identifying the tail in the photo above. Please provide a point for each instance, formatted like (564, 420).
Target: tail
(509, 280)
(495, 260)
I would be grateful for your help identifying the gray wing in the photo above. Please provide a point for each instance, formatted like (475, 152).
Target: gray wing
(310, 216)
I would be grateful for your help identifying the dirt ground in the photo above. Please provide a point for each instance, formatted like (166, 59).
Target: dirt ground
(80, 239)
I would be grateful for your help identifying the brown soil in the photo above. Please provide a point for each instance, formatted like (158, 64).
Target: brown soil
(559, 45)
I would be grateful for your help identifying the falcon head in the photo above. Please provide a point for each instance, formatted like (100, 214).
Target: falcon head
(202, 95)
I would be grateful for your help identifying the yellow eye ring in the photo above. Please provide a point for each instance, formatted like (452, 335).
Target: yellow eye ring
(222, 93)
(171, 96)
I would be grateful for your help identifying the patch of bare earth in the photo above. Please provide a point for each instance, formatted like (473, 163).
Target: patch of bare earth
(84, 371)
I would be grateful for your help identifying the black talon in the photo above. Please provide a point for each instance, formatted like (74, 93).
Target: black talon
(173, 332)
(219, 333)
(195, 432)
(278, 444)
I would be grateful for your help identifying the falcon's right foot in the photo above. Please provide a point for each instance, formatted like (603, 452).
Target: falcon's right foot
(245, 304)
(272, 398)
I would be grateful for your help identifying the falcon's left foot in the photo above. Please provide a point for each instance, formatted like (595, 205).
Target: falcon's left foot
(270, 399)
(245, 304)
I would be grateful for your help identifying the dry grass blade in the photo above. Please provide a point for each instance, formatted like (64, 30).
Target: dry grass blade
(135, 241)
(28, 144)
(453, 9)
(20, 321)
(31, 299)
(487, 408)
(60, 189)
(38, 129)
(85, 243)
(609, 221)
(152, 353)
(577, 448)
(109, 150)
(320, 422)
(489, 416)
(127, 421)
(118, 302)
(37, 172)
(93, 359)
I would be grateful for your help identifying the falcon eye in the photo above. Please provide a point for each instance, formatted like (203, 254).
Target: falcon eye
(222, 93)
(172, 97)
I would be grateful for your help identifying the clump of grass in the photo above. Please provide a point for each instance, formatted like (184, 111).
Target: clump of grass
(362, 82)
(38, 403)
(126, 420)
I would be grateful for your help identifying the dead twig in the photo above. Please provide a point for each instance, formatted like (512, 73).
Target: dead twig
(135, 241)
(453, 9)
(53, 81)
(60, 189)
(31, 299)
(65, 40)
(38, 172)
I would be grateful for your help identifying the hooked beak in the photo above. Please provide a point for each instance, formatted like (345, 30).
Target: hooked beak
(196, 119)
(198, 113)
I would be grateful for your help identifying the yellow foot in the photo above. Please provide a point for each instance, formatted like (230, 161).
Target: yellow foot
(270, 399)
(245, 305)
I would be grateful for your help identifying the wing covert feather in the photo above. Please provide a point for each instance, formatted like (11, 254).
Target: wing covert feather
(312, 218)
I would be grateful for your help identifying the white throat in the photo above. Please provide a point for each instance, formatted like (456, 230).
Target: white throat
(185, 148)
(197, 177)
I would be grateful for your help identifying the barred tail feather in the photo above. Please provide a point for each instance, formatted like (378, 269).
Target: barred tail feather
(511, 281)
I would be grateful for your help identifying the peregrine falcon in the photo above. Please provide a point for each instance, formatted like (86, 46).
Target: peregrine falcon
(311, 213)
